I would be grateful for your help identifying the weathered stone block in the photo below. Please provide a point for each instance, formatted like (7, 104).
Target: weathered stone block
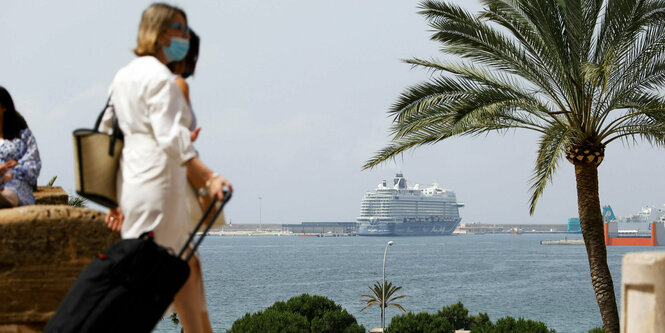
(643, 292)
(42, 250)
(50, 195)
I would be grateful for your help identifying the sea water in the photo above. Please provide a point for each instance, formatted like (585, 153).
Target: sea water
(500, 274)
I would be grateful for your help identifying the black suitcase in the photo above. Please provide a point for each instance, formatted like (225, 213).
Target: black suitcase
(128, 287)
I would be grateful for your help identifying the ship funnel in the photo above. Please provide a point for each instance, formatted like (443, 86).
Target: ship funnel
(399, 182)
(608, 214)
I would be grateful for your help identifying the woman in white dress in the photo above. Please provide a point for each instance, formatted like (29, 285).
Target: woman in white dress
(154, 118)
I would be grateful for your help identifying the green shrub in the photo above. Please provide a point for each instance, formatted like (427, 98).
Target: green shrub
(440, 325)
(303, 313)
(457, 315)
(510, 325)
(597, 330)
(336, 322)
(271, 321)
(422, 322)
(308, 306)
(480, 322)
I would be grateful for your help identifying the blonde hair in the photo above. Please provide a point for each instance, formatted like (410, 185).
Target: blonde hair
(155, 20)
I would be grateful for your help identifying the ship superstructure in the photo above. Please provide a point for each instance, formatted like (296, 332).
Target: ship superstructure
(647, 227)
(399, 210)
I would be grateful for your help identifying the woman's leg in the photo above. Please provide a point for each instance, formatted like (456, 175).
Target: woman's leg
(202, 298)
(10, 196)
(189, 300)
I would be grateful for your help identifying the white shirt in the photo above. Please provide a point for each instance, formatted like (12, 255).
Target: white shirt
(154, 118)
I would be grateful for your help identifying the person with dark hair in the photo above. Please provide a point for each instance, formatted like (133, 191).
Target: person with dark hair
(184, 69)
(196, 203)
(19, 157)
(187, 66)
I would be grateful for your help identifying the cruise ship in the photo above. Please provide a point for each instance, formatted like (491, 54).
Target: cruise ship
(398, 210)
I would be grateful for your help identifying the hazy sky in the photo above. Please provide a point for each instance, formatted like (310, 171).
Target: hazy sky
(292, 98)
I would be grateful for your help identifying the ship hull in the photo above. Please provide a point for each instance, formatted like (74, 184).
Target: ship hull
(434, 228)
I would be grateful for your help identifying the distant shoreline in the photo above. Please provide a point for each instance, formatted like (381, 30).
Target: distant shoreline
(340, 229)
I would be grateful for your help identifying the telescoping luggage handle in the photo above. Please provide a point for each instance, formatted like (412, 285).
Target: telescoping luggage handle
(227, 197)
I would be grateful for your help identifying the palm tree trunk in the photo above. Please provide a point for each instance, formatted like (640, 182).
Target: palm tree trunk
(591, 220)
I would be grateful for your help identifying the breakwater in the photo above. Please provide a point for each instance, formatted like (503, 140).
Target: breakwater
(563, 242)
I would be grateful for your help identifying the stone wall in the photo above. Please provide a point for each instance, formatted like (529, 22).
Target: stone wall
(43, 248)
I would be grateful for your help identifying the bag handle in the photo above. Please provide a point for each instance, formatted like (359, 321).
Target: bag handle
(98, 122)
(227, 197)
(117, 133)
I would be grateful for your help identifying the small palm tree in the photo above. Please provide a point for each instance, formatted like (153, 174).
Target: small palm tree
(376, 297)
(580, 73)
(78, 201)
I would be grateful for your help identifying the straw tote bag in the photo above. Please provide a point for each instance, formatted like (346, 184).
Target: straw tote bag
(96, 161)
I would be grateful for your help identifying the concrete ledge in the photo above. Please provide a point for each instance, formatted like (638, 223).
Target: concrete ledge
(42, 250)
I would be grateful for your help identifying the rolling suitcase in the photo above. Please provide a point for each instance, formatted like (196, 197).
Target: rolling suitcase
(128, 287)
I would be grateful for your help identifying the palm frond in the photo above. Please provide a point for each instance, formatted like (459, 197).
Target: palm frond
(464, 118)
(471, 38)
(617, 26)
(77, 201)
(426, 117)
(643, 68)
(397, 147)
(643, 111)
(645, 119)
(511, 16)
(552, 146)
(475, 76)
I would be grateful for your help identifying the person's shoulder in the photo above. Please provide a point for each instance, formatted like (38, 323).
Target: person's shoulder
(182, 84)
(151, 63)
(147, 67)
(25, 133)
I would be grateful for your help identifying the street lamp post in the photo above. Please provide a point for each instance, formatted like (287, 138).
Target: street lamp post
(383, 290)
(259, 213)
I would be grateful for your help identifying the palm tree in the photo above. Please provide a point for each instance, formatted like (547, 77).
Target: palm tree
(581, 73)
(377, 297)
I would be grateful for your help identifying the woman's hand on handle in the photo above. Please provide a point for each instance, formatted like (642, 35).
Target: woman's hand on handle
(217, 185)
(198, 172)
